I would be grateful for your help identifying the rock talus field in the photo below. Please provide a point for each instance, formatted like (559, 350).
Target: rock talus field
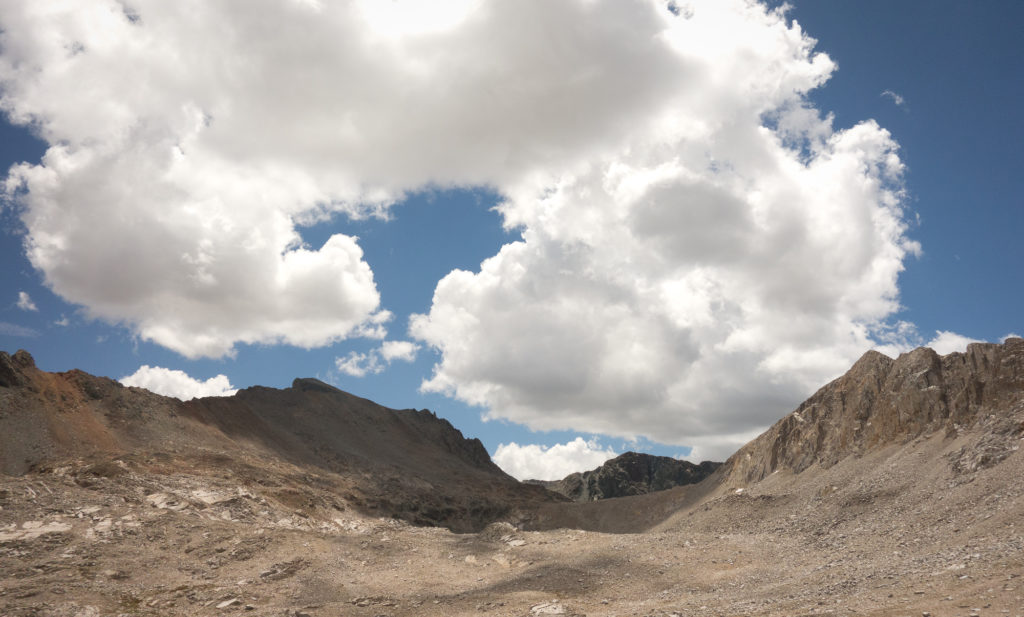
(897, 489)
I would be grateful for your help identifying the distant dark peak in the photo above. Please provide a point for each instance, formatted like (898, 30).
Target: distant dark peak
(632, 473)
(309, 384)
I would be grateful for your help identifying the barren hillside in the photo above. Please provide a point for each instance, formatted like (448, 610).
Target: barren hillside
(897, 489)
(408, 464)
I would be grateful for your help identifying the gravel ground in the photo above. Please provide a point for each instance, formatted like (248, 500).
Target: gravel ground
(907, 530)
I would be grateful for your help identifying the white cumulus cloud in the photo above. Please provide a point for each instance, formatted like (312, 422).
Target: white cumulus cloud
(376, 360)
(700, 248)
(537, 462)
(210, 133)
(734, 253)
(176, 383)
(404, 351)
(25, 302)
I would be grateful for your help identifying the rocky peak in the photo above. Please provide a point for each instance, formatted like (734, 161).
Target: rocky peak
(882, 401)
(632, 473)
(12, 368)
(387, 462)
(309, 384)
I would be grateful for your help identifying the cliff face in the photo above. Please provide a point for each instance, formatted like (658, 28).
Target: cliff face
(881, 401)
(631, 473)
(404, 463)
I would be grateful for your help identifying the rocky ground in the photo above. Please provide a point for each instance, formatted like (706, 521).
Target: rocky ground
(168, 537)
(817, 517)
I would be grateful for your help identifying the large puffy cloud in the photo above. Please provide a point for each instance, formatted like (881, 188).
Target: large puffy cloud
(735, 253)
(537, 462)
(700, 247)
(179, 384)
(191, 140)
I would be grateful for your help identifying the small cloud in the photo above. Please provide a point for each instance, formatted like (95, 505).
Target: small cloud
(537, 462)
(946, 342)
(359, 364)
(720, 447)
(896, 98)
(9, 329)
(904, 337)
(63, 321)
(897, 338)
(376, 360)
(373, 327)
(398, 350)
(25, 303)
(178, 384)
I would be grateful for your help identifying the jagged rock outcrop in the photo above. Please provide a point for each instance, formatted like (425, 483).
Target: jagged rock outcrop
(403, 463)
(632, 473)
(882, 401)
(11, 367)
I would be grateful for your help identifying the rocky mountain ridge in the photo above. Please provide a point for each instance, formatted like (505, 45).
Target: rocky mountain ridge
(404, 463)
(632, 473)
(882, 401)
(894, 490)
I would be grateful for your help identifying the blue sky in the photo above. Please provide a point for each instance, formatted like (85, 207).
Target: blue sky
(959, 69)
(634, 304)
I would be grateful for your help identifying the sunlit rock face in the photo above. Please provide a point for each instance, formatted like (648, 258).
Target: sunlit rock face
(881, 401)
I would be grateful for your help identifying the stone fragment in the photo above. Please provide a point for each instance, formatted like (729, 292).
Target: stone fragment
(547, 608)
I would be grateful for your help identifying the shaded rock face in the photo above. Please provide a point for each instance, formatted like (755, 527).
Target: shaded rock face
(11, 367)
(632, 473)
(403, 463)
(881, 401)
